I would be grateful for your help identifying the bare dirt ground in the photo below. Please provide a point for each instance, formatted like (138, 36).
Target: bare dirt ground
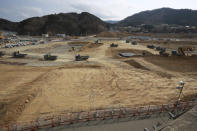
(15, 89)
(104, 81)
(160, 35)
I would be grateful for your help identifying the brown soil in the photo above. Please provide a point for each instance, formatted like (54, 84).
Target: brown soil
(189, 97)
(11, 63)
(27, 93)
(78, 43)
(91, 46)
(136, 64)
(160, 35)
(86, 46)
(113, 34)
(16, 90)
(173, 63)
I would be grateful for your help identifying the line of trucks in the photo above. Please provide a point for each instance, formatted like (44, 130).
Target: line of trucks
(181, 51)
(47, 57)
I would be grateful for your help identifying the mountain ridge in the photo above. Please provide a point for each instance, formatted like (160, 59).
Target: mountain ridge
(67, 23)
(165, 15)
(86, 23)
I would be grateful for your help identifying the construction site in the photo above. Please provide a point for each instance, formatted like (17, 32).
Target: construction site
(91, 73)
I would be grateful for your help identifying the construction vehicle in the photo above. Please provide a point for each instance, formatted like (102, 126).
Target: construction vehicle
(2, 53)
(128, 41)
(1, 36)
(174, 53)
(158, 48)
(151, 46)
(114, 45)
(97, 41)
(163, 53)
(17, 54)
(182, 50)
(134, 43)
(81, 58)
(73, 48)
(50, 57)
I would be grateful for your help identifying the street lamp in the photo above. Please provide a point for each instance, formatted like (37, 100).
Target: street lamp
(180, 88)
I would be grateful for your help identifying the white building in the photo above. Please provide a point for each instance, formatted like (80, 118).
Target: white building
(45, 35)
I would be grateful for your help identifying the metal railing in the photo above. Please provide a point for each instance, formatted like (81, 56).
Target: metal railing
(98, 115)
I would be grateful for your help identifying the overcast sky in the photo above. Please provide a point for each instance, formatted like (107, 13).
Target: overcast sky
(17, 10)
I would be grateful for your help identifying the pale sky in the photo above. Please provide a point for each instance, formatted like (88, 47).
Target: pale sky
(17, 10)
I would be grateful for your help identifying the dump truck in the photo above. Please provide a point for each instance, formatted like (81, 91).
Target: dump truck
(163, 53)
(151, 46)
(2, 53)
(134, 43)
(50, 57)
(114, 45)
(17, 54)
(81, 58)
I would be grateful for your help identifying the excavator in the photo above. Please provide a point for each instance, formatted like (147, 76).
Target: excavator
(1, 36)
(182, 50)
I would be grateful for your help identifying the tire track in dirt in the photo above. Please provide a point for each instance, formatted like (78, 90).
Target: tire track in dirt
(114, 84)
(19, 100)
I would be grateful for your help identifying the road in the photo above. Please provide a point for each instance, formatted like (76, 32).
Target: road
(113, 125)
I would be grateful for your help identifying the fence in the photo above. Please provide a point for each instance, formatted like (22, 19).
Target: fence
(98, 115)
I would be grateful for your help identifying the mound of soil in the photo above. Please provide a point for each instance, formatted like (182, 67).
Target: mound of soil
(136, 64)
(16, 92)
(12, 63)
(91, 46)
(11, 109)
(85, 46)
(80, 43)
(173, 63)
